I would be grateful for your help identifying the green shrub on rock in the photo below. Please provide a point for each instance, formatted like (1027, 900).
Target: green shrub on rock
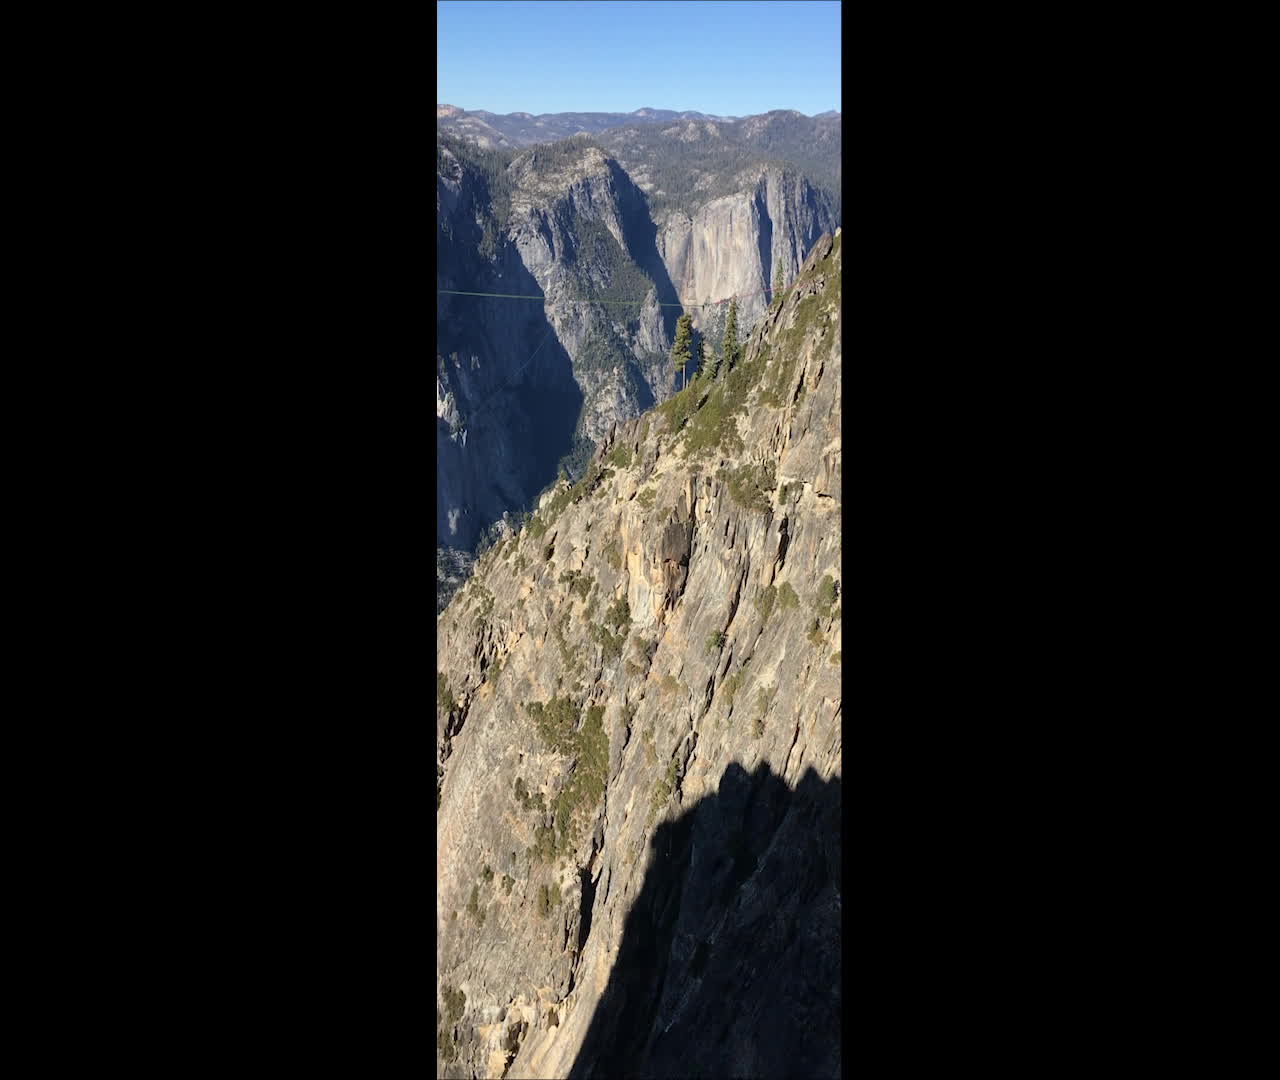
(764, 601)
(827, 593)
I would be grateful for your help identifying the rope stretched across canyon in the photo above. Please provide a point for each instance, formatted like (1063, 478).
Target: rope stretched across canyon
(584, 300)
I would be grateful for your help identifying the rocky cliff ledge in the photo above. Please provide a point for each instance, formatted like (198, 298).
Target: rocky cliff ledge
(639, 745)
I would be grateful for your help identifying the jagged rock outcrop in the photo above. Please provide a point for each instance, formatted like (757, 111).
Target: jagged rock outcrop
(639, 747)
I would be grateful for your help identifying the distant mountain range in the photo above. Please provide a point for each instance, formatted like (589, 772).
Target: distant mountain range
(524, 129)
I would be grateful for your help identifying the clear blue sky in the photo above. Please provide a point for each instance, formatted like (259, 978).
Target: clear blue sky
(725, 58)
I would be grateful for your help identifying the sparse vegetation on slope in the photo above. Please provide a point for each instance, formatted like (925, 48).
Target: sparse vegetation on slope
(751, 486)
(556, 723)
(578, 581)
(700, 599)
(548, 899)
(826, 596)
(444, 696)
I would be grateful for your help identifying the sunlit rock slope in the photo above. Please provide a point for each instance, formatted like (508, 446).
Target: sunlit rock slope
(639, 742)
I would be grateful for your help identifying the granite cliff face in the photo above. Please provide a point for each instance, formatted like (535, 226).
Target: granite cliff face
(733, 245)
(520, 383)
(639, 745)
(582, 230)
(522, 386)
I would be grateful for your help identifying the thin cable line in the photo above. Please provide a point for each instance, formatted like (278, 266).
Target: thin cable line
(485, 401)
(577, 300)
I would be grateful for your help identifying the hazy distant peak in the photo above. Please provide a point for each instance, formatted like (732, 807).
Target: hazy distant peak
(523, 129)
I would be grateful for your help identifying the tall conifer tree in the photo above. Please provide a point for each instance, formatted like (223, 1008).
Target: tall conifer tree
(729, 347)
(681, 351)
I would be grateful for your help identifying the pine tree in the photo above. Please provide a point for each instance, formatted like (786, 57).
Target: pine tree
(778, 283)
(681, 352)
(729, 348)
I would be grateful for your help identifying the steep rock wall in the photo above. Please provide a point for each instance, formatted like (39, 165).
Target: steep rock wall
(518, 381)
(639, 749)
(506, 399)
(732, 246)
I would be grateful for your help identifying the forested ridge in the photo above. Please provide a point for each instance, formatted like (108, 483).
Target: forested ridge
(683, 165)
(693, 163)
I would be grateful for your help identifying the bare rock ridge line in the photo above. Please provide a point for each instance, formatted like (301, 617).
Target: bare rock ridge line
(525, 389)
(638, 746)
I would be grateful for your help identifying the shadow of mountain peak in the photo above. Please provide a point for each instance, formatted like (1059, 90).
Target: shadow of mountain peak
(729, 963)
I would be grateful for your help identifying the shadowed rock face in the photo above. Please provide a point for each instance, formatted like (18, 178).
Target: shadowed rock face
(639, 744)
(518, 381)
(506, 398)
(730, 958)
